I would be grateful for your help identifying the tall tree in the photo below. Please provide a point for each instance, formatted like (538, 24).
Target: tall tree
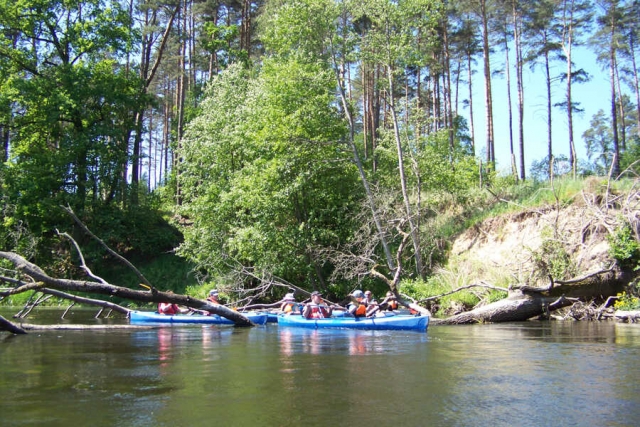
(70, 100)
(541, 33)
(609, 29)
(389, 43)
(575, 17)
(156, 21)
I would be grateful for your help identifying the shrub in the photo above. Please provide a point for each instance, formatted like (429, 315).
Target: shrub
(624, 247)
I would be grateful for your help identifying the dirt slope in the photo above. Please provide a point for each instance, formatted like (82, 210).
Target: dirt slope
(508, 242)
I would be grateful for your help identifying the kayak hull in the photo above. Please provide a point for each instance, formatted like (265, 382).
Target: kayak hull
(391, 322)
(150, 317)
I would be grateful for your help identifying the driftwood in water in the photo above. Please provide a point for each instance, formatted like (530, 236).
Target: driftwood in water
(32, 327)
(10, 327)
(526, 302)
(42, 281)
(514, 308)
(627, 316)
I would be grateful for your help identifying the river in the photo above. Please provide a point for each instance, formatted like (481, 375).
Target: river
(521, 374)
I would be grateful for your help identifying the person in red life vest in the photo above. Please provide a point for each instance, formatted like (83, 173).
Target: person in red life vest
(371, 303)
(358, 306)
(316, 309)
(170, 309)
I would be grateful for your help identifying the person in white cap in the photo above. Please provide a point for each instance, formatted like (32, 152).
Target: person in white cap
(289, 305)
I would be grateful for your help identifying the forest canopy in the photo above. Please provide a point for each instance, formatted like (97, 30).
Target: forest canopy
(305, 142)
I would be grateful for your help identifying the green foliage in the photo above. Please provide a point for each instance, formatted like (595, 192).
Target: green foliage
(629, 300)
(438, 285)
(273, 189)
(624, 247)
(551, 258)
(69, 141)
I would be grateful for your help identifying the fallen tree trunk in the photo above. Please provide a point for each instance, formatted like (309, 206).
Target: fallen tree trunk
(10, 327)
(627, 316)
(42, 281)
(32, 327)
(515, 308)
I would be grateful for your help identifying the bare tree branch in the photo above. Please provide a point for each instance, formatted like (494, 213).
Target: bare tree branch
(104, 245)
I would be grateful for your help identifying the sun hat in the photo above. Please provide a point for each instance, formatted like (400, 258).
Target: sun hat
(213, 292)
(357, 294)
(289, 297)
(314, 293)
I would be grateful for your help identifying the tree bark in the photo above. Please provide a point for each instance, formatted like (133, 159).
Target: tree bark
(515, 308)
(41, 279)
(5, 325)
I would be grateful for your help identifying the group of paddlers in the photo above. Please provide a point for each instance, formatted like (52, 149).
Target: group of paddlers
(362, 304)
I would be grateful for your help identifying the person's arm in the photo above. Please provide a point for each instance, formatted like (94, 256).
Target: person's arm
(328, 310)
(307, 311)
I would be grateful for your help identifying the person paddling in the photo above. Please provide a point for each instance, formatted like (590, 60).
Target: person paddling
(213, 296)
(389, 302)
(358, 306)
(316, 309)
(289, 305)
(170, 309)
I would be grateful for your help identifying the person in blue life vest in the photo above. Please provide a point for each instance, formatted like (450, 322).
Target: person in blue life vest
(317, 308)
(358, 305)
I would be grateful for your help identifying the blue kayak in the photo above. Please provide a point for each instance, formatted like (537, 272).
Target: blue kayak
(146, 317)
(387, 322)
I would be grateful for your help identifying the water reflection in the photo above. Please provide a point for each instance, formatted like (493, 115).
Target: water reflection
(293, 341)
(538, 373)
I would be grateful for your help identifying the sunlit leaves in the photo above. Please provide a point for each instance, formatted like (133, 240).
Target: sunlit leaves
(262, 176)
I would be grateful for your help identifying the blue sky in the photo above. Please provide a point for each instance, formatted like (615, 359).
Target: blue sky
(593, 96)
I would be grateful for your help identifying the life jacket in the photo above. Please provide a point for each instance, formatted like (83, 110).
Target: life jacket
(392, 305)
(167, 308)
(289, 307)
(318, 312)
(361, 311)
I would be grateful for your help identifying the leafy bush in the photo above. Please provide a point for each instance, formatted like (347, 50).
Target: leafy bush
(627, 302)
(624, 247)
(552, 259)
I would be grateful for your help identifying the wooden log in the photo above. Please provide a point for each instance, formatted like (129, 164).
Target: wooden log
(627, 316)
(515, 308)
(5, 325)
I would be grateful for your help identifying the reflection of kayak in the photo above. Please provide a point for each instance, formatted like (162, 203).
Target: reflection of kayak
(214, 319)
(388, 322)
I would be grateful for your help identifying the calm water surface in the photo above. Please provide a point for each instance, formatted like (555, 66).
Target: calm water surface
(524, 374)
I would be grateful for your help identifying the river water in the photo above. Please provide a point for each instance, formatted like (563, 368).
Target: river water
(522, 374)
